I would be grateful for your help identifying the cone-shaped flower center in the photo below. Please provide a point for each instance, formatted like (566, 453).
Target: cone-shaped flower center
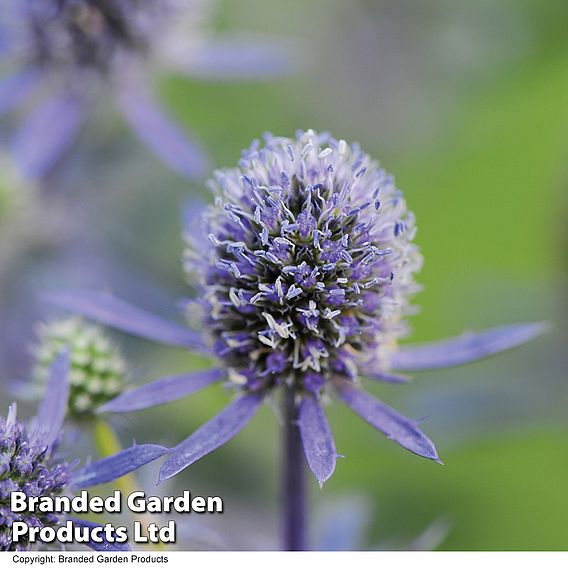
(309, 266)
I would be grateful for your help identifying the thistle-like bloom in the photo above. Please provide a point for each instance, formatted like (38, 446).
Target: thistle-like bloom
(65, 52)
(97, 367)
(304, 283)
(29, 463)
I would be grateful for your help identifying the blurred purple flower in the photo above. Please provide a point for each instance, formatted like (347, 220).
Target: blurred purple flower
(65, 52)
(28, 463)
(305, 281)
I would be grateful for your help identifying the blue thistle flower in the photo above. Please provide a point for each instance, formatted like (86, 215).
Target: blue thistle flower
(29, 462)
(309, 267)
(65, 51)
(304, 282)
(26, 465)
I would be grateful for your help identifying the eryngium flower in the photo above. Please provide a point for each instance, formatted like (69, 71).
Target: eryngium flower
(29, 462)
(97, 366)
(65, 51)
(26, 464)
(309, 267)
(304, 283)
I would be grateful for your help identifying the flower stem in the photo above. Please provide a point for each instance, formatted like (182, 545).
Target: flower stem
(294, 505)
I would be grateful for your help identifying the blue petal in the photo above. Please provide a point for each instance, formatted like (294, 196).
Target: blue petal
(53, 407)
(465, 348)
(386, 377)
(104, 546)
(117, 465)
(47, 134)
(393, 425)
(317, 439)
(238, 58)
(109, 310)
(162, 135)
(15, 88)
(213, 434)
(162, 391)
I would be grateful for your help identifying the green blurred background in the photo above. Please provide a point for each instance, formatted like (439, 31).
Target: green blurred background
(466, 103)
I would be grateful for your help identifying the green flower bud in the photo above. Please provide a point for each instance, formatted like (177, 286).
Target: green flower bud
(97, 366)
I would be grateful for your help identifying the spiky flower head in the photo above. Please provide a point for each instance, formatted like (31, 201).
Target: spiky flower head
(97, 366)
(27, 464)
(309, 267)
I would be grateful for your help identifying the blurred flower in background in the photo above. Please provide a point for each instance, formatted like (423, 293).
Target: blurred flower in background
(64, 55)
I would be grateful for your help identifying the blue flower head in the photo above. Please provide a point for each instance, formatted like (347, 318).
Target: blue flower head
(87, 34)
(26, 464)
(29, 462)
(309, 267)
(65, 52)
(305, 270)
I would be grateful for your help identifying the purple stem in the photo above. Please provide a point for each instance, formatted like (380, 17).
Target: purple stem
(294, 483)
